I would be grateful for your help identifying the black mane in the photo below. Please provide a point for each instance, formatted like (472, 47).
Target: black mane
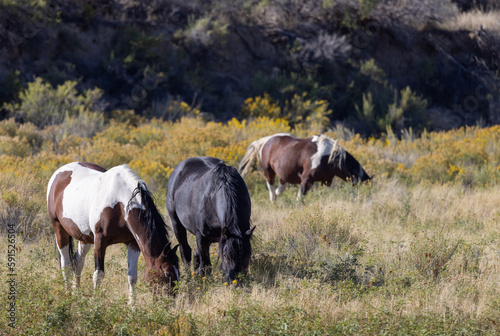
(237, 211)
(153, 220)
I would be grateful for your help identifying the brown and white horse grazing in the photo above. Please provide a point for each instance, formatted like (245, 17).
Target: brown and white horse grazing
(301, 161)
(102, 207)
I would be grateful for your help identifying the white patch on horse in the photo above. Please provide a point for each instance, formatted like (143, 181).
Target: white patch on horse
(324, 147)
(281, 188)
(133, 260)
(272, 195)
(138, 240)
(65, 263)
(91, 191)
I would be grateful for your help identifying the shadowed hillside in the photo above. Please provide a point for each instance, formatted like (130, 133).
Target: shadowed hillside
(376, 63)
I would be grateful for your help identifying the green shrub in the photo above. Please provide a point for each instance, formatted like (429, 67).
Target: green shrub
(313, 115)
(44, 105)
(8, 127)
(408, 110)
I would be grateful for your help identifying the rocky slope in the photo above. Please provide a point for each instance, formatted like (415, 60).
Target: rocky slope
(216, 54)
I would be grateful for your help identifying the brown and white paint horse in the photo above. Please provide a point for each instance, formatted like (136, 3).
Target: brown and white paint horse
(301, 161)
(101, 207)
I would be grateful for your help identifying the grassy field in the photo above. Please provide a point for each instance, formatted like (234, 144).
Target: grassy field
(416, 252)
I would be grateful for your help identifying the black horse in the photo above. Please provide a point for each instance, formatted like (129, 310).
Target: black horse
(211, 200)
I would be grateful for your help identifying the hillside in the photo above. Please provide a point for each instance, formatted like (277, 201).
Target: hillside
(376, 63)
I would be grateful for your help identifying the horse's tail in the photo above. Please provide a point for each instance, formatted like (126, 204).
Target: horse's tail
(71, 252)
(253, 152)
(56, 252)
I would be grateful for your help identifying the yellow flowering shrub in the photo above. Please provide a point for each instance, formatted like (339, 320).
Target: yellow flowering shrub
(116, 132)
(261, 107)
(447, 161)
(153, 148)
(107, 153)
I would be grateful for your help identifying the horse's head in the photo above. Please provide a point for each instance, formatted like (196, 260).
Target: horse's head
(358, 175)
(347, 167)
(165, 269)
(235, 253)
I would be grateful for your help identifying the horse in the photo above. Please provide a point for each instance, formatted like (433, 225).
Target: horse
(210, 199)
(101, 207)
(301, 161)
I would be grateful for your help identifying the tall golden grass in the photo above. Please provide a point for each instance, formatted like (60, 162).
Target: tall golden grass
(472, 20)
(414, 252)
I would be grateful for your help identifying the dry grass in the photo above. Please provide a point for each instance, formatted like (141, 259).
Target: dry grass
(406, 254)
(394, 231)
(471, 21)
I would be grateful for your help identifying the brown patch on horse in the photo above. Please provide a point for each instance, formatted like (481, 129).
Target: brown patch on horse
(63, 227)
(112, 224)
(92, 166)
(282, 146)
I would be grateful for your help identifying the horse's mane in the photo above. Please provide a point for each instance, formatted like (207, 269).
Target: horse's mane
(153, 220)
(227, 179)
(338, 155)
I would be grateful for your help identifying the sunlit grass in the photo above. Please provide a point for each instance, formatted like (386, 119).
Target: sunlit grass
(413, 252)
(472, 20)
(347, 260)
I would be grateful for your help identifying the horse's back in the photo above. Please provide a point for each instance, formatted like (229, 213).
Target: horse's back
(188, 177)
(191, 190)
(192, 169)
(81, 191)
(282, 147)
(287, 156)
(68, 193)
(72, 173)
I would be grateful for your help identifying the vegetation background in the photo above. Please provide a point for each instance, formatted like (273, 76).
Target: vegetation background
(410, 88)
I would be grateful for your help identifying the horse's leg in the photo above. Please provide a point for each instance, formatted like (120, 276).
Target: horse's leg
(281, 187)
(305, 185)
(270, 176)
(203, 252)
(181, 235)
(79, 260)
(62, 241)
(133, 259)
(197, 260)
(99, 253)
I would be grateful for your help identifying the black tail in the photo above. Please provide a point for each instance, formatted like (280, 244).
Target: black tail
(71, 252)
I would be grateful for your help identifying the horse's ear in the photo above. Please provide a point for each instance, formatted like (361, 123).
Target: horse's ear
(250, 232)
(167, 249)
(174, 250)
(225, 232)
